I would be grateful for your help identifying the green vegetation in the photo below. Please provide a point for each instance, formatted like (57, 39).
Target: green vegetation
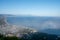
(33, 36)
(8, 38)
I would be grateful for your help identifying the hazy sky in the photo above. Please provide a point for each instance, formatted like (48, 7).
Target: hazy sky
(30, 7)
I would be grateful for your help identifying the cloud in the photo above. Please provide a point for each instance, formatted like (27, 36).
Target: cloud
(33, 12)
(50, 25)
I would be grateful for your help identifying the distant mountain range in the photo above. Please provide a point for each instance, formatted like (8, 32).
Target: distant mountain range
(5, 14)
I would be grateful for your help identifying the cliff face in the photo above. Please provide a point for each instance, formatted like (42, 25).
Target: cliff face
(3, 21)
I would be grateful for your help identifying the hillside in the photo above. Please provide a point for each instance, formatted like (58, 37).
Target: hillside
(34, 36)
